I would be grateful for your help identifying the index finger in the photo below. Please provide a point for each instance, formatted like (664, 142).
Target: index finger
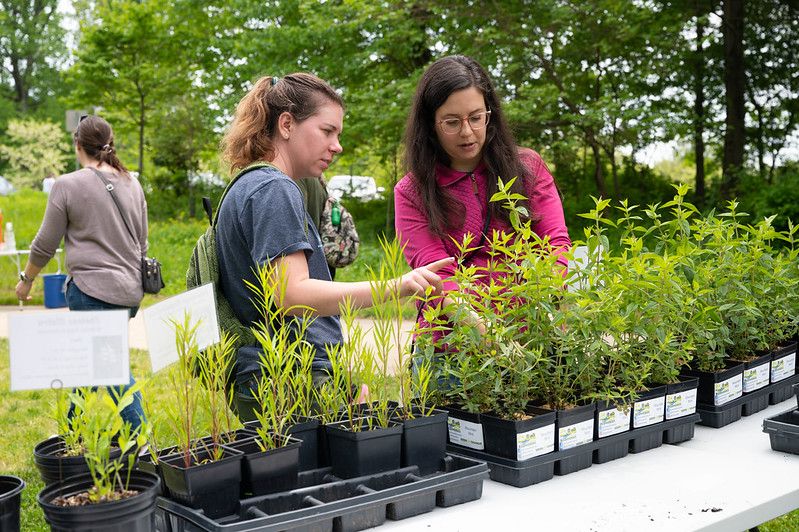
(437, 265)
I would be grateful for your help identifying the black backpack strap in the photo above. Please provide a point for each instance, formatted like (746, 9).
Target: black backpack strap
(209, 210)
(110, 188)
(253, 166)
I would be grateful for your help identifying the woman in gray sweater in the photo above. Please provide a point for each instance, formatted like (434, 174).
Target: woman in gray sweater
(104, 259)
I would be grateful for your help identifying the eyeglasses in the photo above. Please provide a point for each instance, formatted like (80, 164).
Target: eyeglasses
(453, 126)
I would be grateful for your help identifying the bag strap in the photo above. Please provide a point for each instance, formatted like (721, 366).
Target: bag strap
(212, 216)
(110, 188)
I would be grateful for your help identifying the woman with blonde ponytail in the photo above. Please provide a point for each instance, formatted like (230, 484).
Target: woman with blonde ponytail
(104, 258)
(292, 124)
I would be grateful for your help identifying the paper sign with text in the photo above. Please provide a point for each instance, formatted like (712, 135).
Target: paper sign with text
(68, 349)
(200, 305)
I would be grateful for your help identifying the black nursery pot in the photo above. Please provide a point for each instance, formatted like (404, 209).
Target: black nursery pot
(10, 495)
(757, 373)
(213, 487)
(575, 426)
(650, 407)
(53, 467)
(134, 514)
(720, 387)
(520, 439)
(152, 464)
(271, 471)
(783, 362)
(681, 397)
(424, 440)
(611, 419)
(307, 430)
(363, 452)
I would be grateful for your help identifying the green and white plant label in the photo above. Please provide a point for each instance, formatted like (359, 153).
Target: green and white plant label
(613, 421)
(755, 378)
(783, 367)
(726, 391)
(648, 412)
(577, 434)
(681, 404)
(465, 433)
(535, 442)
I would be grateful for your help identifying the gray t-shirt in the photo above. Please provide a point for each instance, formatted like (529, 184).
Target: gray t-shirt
(262, 218)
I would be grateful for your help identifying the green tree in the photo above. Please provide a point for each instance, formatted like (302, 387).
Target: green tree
(34, 151)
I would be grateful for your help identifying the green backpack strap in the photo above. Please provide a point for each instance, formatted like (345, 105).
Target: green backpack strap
(253, 166)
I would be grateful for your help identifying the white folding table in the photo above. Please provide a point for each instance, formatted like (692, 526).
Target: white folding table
(725, 479)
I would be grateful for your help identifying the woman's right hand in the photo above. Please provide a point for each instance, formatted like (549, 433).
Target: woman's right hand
(416, 282)
(23, 290)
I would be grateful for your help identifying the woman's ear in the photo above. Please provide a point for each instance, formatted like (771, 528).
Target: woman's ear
(284, 124)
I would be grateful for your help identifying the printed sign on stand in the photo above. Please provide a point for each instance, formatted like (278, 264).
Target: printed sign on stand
(68, 349)
(159, 323)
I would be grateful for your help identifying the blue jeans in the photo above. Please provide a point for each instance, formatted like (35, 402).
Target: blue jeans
(78, 300)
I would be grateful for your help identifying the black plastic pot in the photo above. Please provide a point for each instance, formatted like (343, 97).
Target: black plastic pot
(308, 431)
(269, 471)
(611, 419)
(464, 428)
(649, 409)
(424, 441)
(213, 487)
(10, 495)
(757, 373)
(720, 387)
(783, 431)
(783, 362)
(135, 514)
(520, 439)
(575, 427)
(152, 464)
(363, 452)
(796, 393)
(53, 467)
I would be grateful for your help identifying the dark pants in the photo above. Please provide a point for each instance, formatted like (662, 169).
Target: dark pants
(78, 300)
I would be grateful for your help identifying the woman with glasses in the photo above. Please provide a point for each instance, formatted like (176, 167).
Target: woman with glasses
(457, 144)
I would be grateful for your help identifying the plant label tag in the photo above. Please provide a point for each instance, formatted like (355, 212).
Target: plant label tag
(199, 304)
(649, 412)
(535, 442)
(68, 349)
(613, 421)
(726, 391)
(783, 367)
(755, 378)
(465, 433)
(577, 434)
(681, 404)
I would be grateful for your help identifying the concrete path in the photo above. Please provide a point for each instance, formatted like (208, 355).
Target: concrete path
(138, 338)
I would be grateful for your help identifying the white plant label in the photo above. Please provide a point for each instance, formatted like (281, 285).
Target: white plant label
(68, 349)
(649, 412)
(726, 391)
(535, 442)
(199, 304)
(465, 433)
(613, 421)
(784, 367)
(755, 378)
(681, 404)
(577, 434)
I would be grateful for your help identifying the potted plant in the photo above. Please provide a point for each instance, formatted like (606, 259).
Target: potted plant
(112, 495)
(202, 475)
(10, 495)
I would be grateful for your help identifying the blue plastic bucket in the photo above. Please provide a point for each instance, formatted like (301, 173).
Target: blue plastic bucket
(54, 296)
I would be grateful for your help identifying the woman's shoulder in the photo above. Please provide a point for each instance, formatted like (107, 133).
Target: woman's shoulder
(406, 185)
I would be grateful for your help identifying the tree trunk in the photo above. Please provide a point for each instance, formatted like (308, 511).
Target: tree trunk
(141, 137)
(735, 86)
(599, 179)
(699, 110)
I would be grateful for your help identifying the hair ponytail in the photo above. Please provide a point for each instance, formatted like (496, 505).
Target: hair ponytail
(96, 138)
(249, 138)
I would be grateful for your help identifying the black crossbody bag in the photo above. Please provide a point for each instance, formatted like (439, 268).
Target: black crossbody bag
(151, 280)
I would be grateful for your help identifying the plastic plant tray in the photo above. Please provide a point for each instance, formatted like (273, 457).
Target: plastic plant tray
(541, 468)
(719, 416)
(783, 431)
(324, 502)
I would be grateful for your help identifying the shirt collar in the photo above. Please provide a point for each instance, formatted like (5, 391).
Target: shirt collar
(446, 176)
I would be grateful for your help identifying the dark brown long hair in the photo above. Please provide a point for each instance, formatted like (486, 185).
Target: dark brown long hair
(423, 151)
(96, 138)
(249, 138)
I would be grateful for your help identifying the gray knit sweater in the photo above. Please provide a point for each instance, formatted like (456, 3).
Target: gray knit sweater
(104, 261)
